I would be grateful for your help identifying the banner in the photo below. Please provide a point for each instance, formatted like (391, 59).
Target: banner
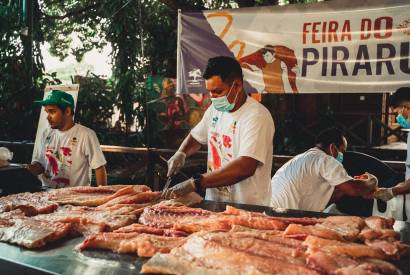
(328, 47)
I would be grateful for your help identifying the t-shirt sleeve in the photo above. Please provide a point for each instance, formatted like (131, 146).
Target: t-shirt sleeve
(38, 152)
(200, 131)
(93, 151)
(256, 134)
(333, 171)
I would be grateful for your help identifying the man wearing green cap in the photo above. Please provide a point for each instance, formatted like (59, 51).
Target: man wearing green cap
(68, 151)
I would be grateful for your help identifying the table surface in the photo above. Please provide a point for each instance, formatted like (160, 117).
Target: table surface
(62, 257)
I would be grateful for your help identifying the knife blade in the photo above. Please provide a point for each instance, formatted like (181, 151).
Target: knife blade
(179, 172)
(166, 186)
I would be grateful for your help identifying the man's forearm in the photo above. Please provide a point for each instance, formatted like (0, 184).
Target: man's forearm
(402, 188)
(101, 176)
(336, 195)
(364, 189)
(233, 172)
(189, 146)
(354, 188)
(35, 168)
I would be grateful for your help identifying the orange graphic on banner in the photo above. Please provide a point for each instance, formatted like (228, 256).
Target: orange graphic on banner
(226, 29)
(227, 26)
(241, 47)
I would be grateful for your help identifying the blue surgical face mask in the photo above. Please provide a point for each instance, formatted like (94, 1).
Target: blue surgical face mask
(339, 157)
(222, 103)
(404, 123)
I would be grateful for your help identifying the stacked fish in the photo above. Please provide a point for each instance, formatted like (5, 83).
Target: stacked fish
(182, 240)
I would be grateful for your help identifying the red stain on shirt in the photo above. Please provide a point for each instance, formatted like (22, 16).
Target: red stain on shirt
(217, 163)
(227, 141)
(53, 162)
(214, 137)
(66, 151)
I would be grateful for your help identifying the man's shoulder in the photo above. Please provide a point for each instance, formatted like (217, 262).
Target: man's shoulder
(255, 109)
(317, 153)
(84, 128)
(323, 159)
(313, 155)
(48, 132)
(254, 104)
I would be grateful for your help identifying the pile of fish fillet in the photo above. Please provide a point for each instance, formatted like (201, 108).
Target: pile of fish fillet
(179, 239)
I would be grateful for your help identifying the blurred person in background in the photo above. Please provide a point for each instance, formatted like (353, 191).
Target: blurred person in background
(311, 180)
(68, 151)
(400, 103)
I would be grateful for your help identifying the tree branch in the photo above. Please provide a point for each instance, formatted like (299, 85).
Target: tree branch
(245, 3)
(73, 12)
(170, 3)
(175, 5)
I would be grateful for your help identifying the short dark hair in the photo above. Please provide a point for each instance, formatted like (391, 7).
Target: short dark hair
(225, 67)
(63, 108)
(397, 99)
(268, 48)
(329, 136)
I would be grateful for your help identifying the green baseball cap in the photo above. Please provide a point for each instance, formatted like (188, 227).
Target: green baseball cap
(57, 97)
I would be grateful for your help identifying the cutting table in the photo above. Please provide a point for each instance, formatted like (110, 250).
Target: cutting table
(62, 257)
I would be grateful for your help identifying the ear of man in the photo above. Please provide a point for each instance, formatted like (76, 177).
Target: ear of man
(68, 111)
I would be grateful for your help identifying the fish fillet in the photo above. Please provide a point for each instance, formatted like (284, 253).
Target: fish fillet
(142, 244)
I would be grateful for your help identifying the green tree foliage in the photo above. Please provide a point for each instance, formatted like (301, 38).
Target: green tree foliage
(16, 91)
(142, 34)
(95, 102)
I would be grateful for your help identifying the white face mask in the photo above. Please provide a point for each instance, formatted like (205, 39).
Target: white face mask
(268, 57)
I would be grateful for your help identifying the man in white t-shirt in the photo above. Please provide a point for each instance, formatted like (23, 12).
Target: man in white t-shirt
(400, 102)
(68, 151)
(308, 181)
(239, 133)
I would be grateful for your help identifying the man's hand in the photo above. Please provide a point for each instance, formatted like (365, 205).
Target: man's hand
(366, 184)
(35, 168)
(175, 163)
(180, 189)
(371, 182)
(384, 194)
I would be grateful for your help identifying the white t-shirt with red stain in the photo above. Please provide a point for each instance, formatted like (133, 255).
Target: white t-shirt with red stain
(307, 181)
(68, 156)
(229, 135)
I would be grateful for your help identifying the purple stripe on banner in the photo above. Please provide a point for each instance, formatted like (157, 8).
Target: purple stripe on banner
(198, 43)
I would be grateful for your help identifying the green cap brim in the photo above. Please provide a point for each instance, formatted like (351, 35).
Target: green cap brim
(51, 102)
